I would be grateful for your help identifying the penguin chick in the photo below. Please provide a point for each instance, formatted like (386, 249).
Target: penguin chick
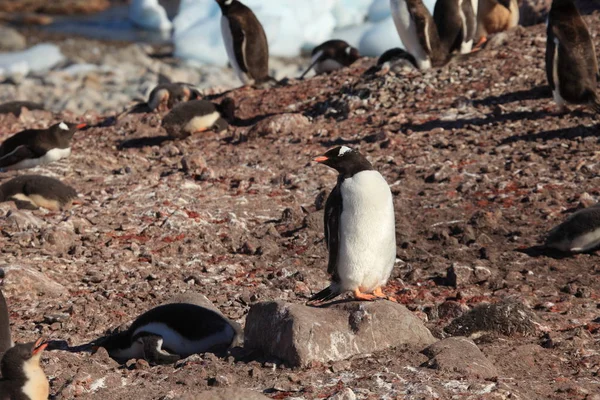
(15, 107)
(169, 332)
(580, 232)
(5, 340)
(359, 227)
(194, 116)
(331, 56)
(245, 42)
(22, 376)
(34, 191)
(571, 65)
(33, 147)
(418, 33)
(456, 23)
(166, 95)
(496, 16)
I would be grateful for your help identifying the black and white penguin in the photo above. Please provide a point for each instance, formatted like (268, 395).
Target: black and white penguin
(5, 340)
(331, 56)
(33, 147)
(245, 42)
(186, 119)
(580, 232)
(359, 227)
(166, 95)
(456, 23)
(169, 332)
(571, 65)
(418, 33)
(34, 191)
(22, 375)
(495, 16)
(15, 107)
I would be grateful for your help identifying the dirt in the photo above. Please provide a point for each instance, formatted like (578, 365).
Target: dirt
(480, 165)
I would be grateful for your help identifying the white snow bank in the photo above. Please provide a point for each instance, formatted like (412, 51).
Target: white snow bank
(150, 15)
(40, 57)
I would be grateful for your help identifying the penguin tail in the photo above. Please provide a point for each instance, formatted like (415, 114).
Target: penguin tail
(329, 293)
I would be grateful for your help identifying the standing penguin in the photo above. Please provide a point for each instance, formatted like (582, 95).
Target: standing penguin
(456, 23)
(418, 33)
(33, 191)
(360, 230)
(331, 56)
(571, 65)
(172, 331)
(245, 42)
(33, 147)
(5, 340)
(22, 375)
(496, 16)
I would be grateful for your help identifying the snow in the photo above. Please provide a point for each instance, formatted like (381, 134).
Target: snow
(40, 57)
(148, 14)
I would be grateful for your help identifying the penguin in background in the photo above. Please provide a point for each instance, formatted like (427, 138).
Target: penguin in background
(33, 147)
(22, 375)
(173, 331)
(456, 23)
(360, 230)
(495, 16)
(5, 340)
(15, 107)
(579, 233)
(166, 95)
(419, 33)
(571, 64)
(331, 56)
(33, 191)
(245, 42)
(186, 119)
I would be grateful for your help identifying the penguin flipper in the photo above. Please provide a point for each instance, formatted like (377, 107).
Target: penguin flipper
(505, 3)
(153, 351)
(329, 293)
(19, 154)
(332, 215)
(24, 205)
(550, 54)
(239, 41)
(309, 68)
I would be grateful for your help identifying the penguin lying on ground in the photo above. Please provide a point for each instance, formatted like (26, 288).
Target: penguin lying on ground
(571, 65)
(15, 107)
(186, 119)
(22, 376)
(456, 23)
(33, 191)
(245, 42)
(496, 16)
(5, 340)
(579, 233)
(166, 95)
(360, 231)
(331, 56)
(33, 147)
(169, 332)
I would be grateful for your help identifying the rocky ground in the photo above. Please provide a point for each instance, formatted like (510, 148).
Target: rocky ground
(480, 167)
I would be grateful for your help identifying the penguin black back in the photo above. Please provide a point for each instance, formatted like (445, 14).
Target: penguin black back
(32, 191)
(331, 55)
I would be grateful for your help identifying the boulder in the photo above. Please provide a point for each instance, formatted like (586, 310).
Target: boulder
(282, 124)
(301, 335)
(11, 40)
(25, 281)
(461, 355)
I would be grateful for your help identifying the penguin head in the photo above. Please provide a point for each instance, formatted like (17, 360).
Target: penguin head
(351, 54)
(225, 4)
(344, 160)
(66, 128)
(22, 358)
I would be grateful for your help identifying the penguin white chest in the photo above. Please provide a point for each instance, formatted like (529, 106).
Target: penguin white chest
(326, 65)
(556, 77)
(367, 232)
(407, 30)
(229, 43)
(49, 157)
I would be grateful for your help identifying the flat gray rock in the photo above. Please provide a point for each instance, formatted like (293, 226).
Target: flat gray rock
(300, 335)
(226, 394)
(460, 355)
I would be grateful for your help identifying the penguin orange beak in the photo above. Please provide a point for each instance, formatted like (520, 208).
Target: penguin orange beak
(81, 126)
(39, 346)
(321, 159)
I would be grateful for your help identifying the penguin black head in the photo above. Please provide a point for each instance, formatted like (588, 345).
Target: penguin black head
(345, 160)
(225, 4)
(352, 54)
(66, 128)
(20, 359)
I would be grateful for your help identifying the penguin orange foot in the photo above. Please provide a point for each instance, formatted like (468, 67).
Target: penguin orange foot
(379, 293)
(359, 295)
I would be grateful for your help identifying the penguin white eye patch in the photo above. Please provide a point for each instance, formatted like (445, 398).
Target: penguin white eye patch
(348, 50)
(228, 2)
(63, 126)
(344, 150)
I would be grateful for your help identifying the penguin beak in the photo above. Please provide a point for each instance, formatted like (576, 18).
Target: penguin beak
(39, 346)
(81, 126)
(321, 159)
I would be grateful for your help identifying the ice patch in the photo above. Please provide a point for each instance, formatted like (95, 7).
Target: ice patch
(40, 57)
(150, 15)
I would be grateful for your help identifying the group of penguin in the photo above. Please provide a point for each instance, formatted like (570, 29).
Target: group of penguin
(359, 222)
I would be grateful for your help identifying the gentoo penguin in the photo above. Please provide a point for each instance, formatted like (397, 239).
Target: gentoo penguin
(22, 375)
(166, 95)
(496, 16)
(456, 23)
(196, 116)
(15, 107)
(359, 227)
(571, 65)
(5, 340)
(580, 232)
(332, 55)
(418, 33)
(245, 42)
(169, 332)
(34, 191)
(33, 147)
